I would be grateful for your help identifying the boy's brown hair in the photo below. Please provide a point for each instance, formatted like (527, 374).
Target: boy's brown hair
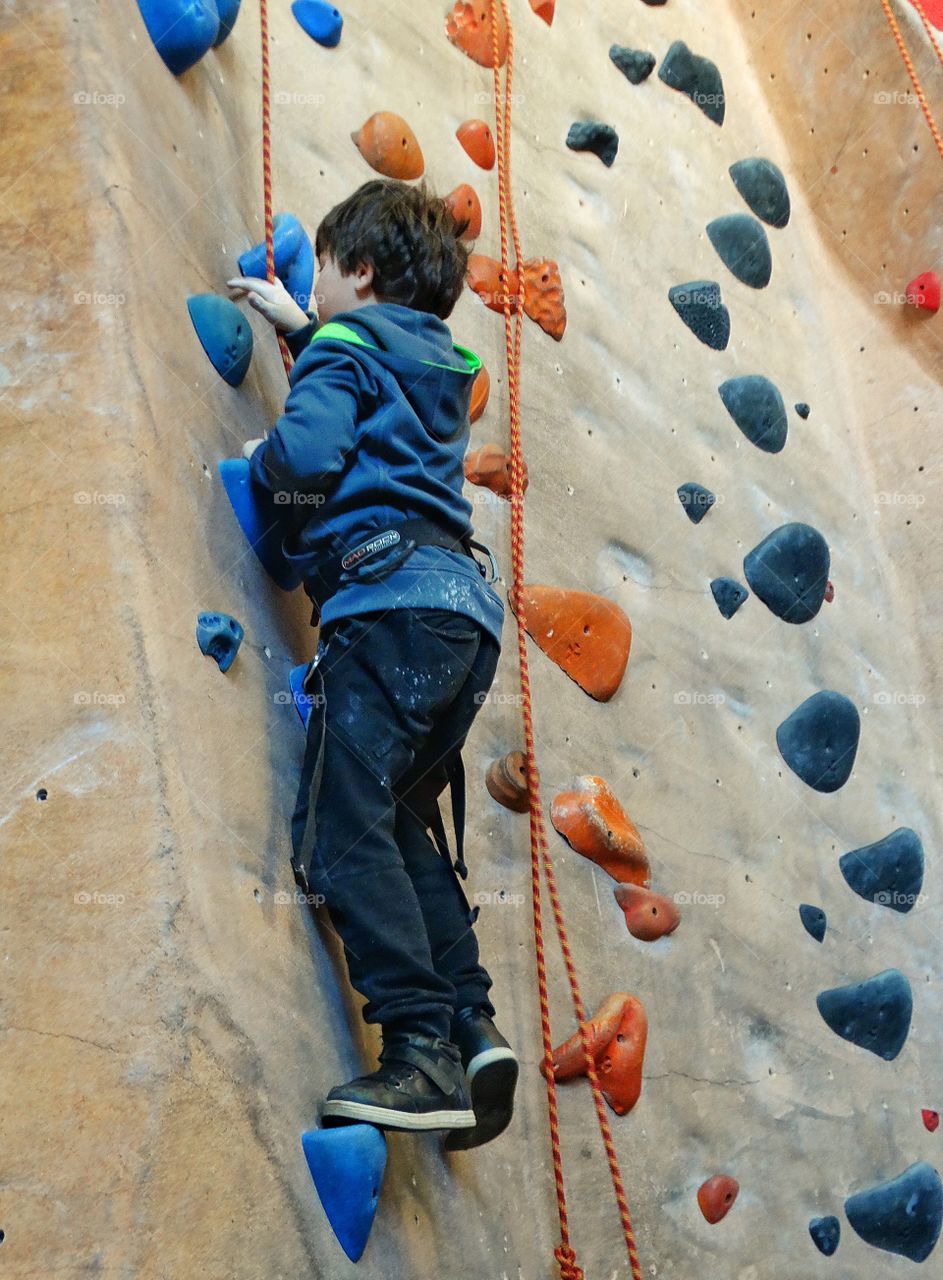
(407, 235)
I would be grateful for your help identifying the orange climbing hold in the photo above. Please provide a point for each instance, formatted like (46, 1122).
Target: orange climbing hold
(490, 467)
(716, 1196)
(388, 145)
(543, 295)
(593, 822)
(924, 292)
(475, 137)
(486, 277)
(544, 9)
(468, 26)
(506, 781)
(481, 389)
(648, 916)
(618, 1033)
(585, 634)
(466, 207)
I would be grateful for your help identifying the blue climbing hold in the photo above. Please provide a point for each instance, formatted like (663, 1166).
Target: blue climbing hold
(302, 700)
(696, 500)
(729, 595)
(260, 519)
(814, 920)
(228, 12)
(803, 409)
(219, 637)
(763, 187)
(889, 872)
(874, 1015)
(743, 247)
(789, 570)
(225, 334)
(320, 20)
(182, 30)
(700, 305)
(819, 740)
(903, 1215)
(826, 1232)
(347, 1165)
(294, 258)
(756, 406)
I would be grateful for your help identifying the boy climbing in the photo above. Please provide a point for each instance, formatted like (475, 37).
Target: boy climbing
(366, 463)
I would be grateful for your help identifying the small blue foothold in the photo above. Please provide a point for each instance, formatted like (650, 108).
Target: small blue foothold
(182, 30)
(826, 1232)
(228, 12)
(903, 1215)
(225, 334)
(302, 700)
(814, 920)
(294, 258)
(347, 1165)
(320, 20)
(219, 637)
(696, 500)
(729, 595)
(259, 519)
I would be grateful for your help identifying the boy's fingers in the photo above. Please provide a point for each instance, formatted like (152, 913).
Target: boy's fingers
(249, 284)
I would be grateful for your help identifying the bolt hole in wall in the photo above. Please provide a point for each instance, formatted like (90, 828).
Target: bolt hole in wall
(42, 794)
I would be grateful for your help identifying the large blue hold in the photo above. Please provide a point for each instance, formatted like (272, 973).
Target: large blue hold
(819, 740)
(889, 871)
(826, 1232)
(259, 519)
(789, 570)
(320, 20)
(182, 30)
(228, 12)
(219, 637)
(294, 258)
(347, 1165)
(875, 1015)
(756, 406)
(225, 335)
(903, 1215)
(728, 595)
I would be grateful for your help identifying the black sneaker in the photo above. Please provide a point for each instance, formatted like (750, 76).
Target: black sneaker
(491, 1073)
(419, 1086)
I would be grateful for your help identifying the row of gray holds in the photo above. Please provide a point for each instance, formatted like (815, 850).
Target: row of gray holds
(701, 306)
(889, 871)
(874, 1015)
(592, 135)
(696, 77)
(789, 571)
(757, 407)
(903, 1215)
(819, 740)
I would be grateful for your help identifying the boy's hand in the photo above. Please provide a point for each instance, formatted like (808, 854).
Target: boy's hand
(250, 446)
(272, 300)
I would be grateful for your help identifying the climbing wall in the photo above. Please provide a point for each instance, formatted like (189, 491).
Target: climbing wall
(171, 1014)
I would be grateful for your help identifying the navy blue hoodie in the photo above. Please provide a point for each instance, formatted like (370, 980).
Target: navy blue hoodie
(375, 430)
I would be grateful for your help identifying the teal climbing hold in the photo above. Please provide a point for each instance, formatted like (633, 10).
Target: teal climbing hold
(826, 1234)
(259, 519)
(757, 407)
(225, 334)
(763, 187)
(294, 258)
(728, 595)
(320, 20)
(219, 637)
(814, 920)
(903, 1215)
(889, 871)
(182, 30)
(819, 740)
(874, 1015)
(701, 306)
(347, 1165)
(743, 247)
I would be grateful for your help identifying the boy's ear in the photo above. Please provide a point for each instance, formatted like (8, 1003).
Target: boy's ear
(363, 277)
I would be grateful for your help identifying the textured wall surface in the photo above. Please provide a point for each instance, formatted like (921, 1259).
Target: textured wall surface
(169, 1027)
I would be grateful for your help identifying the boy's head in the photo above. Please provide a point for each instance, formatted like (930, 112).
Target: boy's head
(390, 242)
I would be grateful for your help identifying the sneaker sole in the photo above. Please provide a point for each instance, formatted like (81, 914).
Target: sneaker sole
(388, 1118)
(492, 1079)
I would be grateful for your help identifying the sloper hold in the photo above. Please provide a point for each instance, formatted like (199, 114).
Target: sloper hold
(889, 871)
(757, 408)
(301, 700)
(789, 570)
(716, 1197)
(543, 295)
(468, 27)
(182, 30)
(486, 278)
(635, 64)
(490, 467)
(506, 781)
(618, 1034)
(320, 20)
(696, 77)
(743, 247)
(481, 390)
(874, 1015)
(648, 916)
(389, 146)
(728, 595)
(814, 921)
(219, 637)
(259, 519)
(701, 306)
(763, 187)
(825, 1233)
(228, 13)
(902, 1215)
(819, 740)
(465, 207)
(593, 822)
(696, 501)
(347, 1165)
(924, 292)
(592, 135)
(225, 335)
(477, 142)
(587, 636)
(294, 258)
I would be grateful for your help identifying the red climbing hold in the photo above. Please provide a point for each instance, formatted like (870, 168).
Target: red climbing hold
(388, 145)
(829, 591)
(934, 11)
(716, 1197)
(475, 137)
(648, 916)
(486, 277)
(618, 1032)
(586, 635)
(931, 1120)
(544, 9)
(543, 295)
(465, 206)
(468, 27)
(490, 467)
(481, 389)
(924, 292)
(506, 781)
(593, 822)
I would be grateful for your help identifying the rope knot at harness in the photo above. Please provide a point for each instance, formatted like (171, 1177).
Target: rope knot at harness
(566, 1260)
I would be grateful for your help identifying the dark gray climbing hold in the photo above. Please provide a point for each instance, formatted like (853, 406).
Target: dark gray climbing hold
(814, 920)
(696, 77)
(874, 1015)
(729, 595)
(696, 500)
(635, 64)
(803, 409)
(701, 307)
(654, 3)
(757, 408)
(763, 187)
(820, 739)
(789, 570)
(903, 1215)
(743, 247)
(826, 1232)
(889, 872)
(219, 637)
(591, 135)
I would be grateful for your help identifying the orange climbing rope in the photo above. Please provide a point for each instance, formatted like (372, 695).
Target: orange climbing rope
(908, 63)
(540, 854)
(267, 171)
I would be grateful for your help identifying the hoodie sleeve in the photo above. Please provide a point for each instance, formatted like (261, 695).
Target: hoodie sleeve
(305, 451)
(298, 339)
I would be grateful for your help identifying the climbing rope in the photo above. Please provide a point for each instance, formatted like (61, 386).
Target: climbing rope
(267, 172)
(540, 854)
(911, 69)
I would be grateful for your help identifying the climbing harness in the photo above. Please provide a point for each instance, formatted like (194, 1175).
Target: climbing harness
(911, 69)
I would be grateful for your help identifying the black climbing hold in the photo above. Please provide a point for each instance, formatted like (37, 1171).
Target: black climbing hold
(874, 1015)
(814, 921)
(903, 1215)
(219, 637)
(653, 3)
(889, 871)
(635, 64)
(820, 739)
(757, 408)
(788, 570)
(701, 307)
(225, 334)
(729, 595)
(826, 1232)
(696, 500)
(182, 30)
(763, 187)
(696, 77)
(591, 135)
(803, 409)
(228, 12)
(743, 247)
